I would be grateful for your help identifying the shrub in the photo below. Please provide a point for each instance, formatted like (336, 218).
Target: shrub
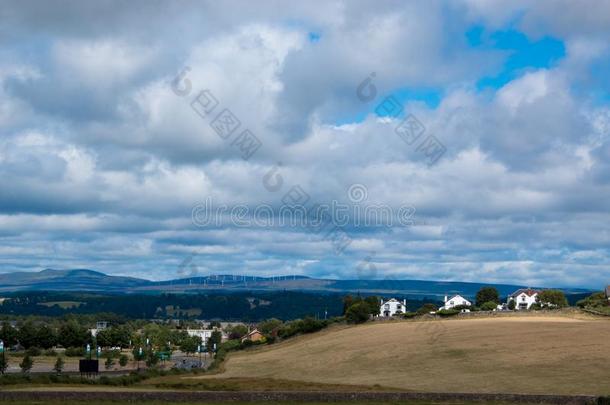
(59, 365)
(310, 325)
(50, 353)
(594, 300)
(426, 309)
(267, 327)
(409, 315)
(447, 312)
(552, 299)
(358, 313)
(488, 306)
(26, 364)
(33, 352)
(123, 360)
(75, 352)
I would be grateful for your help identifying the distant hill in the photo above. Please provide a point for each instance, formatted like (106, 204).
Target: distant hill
(93, 281)
(68, 280)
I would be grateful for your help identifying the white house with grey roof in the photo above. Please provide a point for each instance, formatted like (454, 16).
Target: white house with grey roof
(392, 307)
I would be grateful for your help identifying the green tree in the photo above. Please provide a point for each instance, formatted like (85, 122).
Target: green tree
(109, 363)
(59, 365)
(215, 338)
(373, 303)
(214, 324)
(512, 305)
(488, 306)
(121, 335)
(28, 335)
(267, 327)
(71, 334)
(45, 337)
(487, 294)
(26, 364)
(189, 344)
(426, 309)
(238, 331)
(348, 301)
(151, 358)
(123, 360)
(552, 298)
(8, 334)
(138, 355)
(358, 312)
(104, 338)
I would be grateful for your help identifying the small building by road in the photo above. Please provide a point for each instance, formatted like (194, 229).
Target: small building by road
(253, 336)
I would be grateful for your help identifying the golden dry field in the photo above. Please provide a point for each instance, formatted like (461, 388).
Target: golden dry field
(541, 355)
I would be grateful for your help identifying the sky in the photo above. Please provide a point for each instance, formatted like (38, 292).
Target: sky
(162, 139)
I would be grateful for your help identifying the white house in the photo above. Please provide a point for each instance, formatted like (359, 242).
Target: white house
(205, 334)
(99, 326)
(392, 307)
(455, 301)
(524, 298)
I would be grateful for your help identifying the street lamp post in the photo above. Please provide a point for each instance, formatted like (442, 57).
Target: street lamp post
(3, 358)
(139, 357)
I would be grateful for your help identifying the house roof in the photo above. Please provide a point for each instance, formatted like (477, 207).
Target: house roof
(527, 291)
(458, 296)
(254, 332)
(391, 300)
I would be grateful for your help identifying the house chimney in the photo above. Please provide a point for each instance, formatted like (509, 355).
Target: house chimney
(404, 302)
(381, 301)
(445, 298)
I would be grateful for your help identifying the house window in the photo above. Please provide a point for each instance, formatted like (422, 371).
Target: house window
(387, 306)
(451, 302)
(523, 298)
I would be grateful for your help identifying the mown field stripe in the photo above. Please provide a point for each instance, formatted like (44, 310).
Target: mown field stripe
(301, 396)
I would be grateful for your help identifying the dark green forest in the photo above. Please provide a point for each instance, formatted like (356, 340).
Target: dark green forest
(242, 306)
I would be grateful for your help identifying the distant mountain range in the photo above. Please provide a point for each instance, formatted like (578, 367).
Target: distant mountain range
(88, 280)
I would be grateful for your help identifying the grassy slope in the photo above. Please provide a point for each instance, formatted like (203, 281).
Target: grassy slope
(553, 355)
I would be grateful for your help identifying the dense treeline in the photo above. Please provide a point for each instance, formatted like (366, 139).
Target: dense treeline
(246, 306)
(237, 306)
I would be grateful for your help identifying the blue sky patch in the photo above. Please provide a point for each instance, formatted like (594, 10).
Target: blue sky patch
(522, 53)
